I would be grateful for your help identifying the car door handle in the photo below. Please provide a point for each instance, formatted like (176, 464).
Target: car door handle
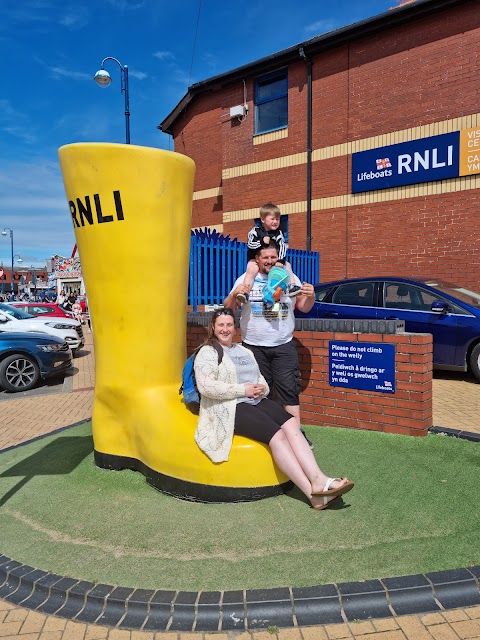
(331, 314)
(392, 318)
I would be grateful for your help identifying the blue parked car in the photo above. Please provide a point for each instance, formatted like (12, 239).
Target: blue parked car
(25, 358)
(450, 312)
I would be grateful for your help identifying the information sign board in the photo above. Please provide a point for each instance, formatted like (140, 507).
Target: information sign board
(423, 160)
(362, 365)
(448, 155)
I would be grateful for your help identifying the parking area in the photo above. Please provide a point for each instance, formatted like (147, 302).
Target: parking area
(46, 387)
(63, 383)
(68, 400)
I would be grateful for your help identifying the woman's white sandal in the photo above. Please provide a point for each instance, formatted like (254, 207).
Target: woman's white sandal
(344, 488)
(326, 503)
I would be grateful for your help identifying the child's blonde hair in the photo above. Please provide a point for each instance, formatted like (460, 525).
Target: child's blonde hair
(268, 208)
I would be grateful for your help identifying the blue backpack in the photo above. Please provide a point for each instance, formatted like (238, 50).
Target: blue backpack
(191, 396)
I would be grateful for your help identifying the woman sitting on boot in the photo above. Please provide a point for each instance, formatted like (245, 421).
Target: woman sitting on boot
(233, 400)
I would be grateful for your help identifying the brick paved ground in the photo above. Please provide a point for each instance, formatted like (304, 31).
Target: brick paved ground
(27, 417)
(456, 401)
(456, 405)
(449, 625)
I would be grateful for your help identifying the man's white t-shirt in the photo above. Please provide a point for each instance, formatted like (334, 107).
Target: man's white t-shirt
(266, 327)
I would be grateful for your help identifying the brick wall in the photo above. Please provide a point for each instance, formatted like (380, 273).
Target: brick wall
(408, 411)
(416, 73)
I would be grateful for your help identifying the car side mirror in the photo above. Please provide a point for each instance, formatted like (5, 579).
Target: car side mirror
(4, 317)
(440, 307)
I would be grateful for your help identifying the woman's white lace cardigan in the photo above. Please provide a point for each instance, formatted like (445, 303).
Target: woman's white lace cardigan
(219, 390)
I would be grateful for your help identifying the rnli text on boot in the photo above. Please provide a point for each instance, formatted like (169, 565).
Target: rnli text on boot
(84, 210)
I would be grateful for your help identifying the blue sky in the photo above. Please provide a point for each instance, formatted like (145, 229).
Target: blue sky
(50, 50)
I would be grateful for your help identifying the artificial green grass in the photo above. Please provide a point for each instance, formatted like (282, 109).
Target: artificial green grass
(414, 509)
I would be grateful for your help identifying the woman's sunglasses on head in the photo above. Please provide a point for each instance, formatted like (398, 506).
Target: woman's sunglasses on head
(223, 312)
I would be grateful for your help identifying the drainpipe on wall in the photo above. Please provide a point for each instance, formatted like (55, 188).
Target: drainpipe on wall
(309, 147)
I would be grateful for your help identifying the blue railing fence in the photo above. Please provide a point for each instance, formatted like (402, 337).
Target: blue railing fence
(216, 261)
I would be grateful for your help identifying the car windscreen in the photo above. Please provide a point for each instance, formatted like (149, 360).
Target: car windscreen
(462, 293)
(15, 313)
(38, 311)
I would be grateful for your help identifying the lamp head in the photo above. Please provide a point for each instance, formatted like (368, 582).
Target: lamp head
(102, 78)
(19, 260)
(4, 233)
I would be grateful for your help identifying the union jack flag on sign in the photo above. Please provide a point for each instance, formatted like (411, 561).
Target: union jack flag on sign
(383, 163)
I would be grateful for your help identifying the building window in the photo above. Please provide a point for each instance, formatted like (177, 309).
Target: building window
(271, 102)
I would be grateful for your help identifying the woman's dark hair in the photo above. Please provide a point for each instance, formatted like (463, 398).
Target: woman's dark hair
(211, 324)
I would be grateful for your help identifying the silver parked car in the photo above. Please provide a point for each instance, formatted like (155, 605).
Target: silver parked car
(12, 319)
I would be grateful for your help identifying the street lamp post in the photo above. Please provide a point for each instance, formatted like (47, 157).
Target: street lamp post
(103, 79)
(4, 233)
(19, 260)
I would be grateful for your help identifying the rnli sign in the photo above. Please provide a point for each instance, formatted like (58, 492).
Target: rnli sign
(449, 155)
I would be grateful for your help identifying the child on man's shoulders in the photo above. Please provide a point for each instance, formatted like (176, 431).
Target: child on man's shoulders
(260, 237)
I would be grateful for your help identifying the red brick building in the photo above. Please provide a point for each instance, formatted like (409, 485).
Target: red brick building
(405, 76)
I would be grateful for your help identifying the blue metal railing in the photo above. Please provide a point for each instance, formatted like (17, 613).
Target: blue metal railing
(216, 261)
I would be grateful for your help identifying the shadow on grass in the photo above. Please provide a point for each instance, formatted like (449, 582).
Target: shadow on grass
(296, 494)
(59, 457)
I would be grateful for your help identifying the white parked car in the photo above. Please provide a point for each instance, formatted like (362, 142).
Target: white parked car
(12, 319)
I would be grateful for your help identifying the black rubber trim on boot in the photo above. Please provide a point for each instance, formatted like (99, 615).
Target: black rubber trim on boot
(189, 490)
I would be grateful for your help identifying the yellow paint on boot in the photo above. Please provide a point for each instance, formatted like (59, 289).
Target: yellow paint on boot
(131, 210)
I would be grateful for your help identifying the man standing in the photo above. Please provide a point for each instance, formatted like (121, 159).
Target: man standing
(269, 332)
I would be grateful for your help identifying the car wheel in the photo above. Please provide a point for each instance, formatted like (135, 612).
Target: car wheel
(19, 373)
(475, 361)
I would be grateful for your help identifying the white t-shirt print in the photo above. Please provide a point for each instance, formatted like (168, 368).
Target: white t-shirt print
(266, 327)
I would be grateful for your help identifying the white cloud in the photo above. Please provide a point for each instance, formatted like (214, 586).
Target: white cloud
(34, 205)
(94, 123)
(67, 73)
(175, 72)
(28, 11)
(210, 61)
(164, 55)
(127, 5)
(101, 125)
(34, 185)
(181, 77)
(320, 26)
(15, 123)
(138, 75)
(75, 17)
(18, 132)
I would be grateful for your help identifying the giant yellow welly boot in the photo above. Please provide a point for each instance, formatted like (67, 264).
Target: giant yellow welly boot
(131, 211)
